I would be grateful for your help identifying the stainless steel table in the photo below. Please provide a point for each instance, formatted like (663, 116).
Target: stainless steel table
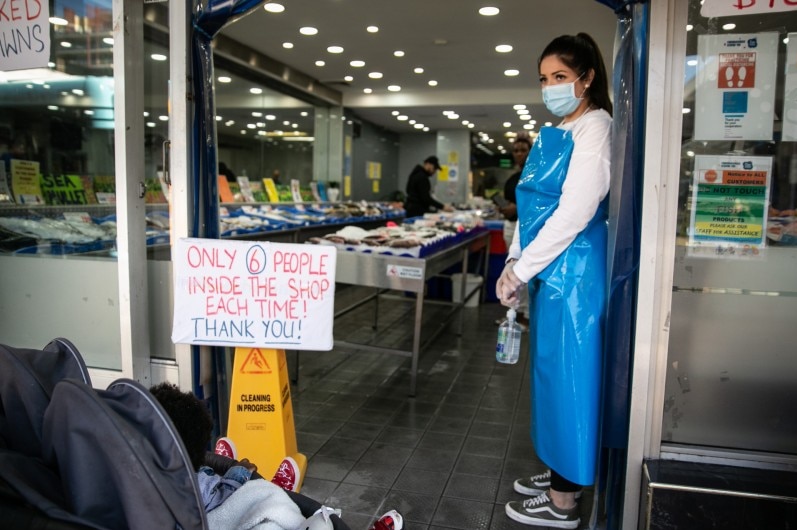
(385, 272)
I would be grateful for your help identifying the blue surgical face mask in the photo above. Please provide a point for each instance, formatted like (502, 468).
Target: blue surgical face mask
(561, 99)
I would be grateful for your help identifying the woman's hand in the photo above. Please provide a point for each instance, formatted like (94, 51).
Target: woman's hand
(506, 288)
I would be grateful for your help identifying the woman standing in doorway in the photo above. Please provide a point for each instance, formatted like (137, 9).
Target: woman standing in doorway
(559, 250)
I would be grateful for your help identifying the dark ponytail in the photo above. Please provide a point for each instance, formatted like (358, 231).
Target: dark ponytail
(581, 54)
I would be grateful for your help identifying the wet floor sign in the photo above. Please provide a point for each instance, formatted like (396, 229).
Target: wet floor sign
(261, 413)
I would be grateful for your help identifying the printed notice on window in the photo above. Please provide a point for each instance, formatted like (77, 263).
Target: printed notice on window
(735, 86)
(254, 293)
(730, 195)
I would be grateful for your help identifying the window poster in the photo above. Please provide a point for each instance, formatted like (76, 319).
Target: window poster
(790, 91)
(735, 86)
(735, 8)
(730, 195)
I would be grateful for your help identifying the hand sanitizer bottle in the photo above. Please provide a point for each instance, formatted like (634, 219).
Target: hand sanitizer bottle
(507, 350)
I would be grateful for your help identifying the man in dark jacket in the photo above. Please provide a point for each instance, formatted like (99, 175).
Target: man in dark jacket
(419, 198)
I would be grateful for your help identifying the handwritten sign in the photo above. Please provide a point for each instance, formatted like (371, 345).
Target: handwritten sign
(727, 8)
(254, 293)
(24, 34)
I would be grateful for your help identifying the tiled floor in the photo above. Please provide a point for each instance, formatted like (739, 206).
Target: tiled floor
(445, 458)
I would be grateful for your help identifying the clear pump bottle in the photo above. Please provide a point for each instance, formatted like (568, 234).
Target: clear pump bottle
(507, 350)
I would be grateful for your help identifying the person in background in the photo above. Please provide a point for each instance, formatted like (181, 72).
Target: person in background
(227, 172)
(559, 250)
(520, 152)
(419, 190)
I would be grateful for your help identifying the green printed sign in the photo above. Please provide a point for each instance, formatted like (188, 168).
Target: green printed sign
(63, 189)
(730, 197)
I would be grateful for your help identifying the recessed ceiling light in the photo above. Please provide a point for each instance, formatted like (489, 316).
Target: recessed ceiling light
(511, 72)
(52, 107)
(163, 118)
(251, 126)
(686, 110)
(256, 113)
(287, 45)
(57, 21)
(320, 63)
(519, 106)
(453, 116)
(308, 30)
(286, 122)
(412, 122)
(348, 78)
(255, 90)
(158, 57)
(151, 124)
(692, 62)
(503, 48)
(548, 124)
(335, 49)
(398, 53)
(357, 63)
(418, 70)
(471, 126)
(689, 27)
(372, 29)
(270, 117)
(507, 124)
(432, 82)
(108, 41)
(273, 7)
(219, 118)
(465, 122)
(224, 79)
(229, 123)
(489, 11)
(367, 90)
(66, 44)
(402, 117)
(419, 126)
(447, 112)
(394, 88)
(729, 26)
(375, 75)
(528, 126)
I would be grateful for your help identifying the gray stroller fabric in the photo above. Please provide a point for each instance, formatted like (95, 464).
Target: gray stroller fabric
(123, 461)
(27, 379)
(75, 457)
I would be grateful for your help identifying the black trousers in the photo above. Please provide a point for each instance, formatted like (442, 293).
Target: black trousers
(559, 483)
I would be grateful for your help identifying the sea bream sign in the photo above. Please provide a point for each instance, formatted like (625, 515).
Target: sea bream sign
(254, 294)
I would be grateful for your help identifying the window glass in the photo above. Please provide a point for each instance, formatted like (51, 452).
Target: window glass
(731, 367)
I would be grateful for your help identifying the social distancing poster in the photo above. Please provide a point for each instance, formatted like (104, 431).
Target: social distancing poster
(253, 293)
(735, 86)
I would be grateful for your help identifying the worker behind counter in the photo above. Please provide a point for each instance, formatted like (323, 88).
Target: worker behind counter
(419, 190)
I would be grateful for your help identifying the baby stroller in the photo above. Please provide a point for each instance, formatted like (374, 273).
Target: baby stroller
(72, 457)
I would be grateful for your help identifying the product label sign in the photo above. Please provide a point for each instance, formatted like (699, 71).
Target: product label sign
(401, 271)
(257, 294)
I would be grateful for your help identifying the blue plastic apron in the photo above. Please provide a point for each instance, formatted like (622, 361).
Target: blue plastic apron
(567, 302)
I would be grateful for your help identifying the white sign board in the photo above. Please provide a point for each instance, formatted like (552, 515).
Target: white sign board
(254, 293)
(790, 91)
(735, 86)
(24, 34)
(735, 8)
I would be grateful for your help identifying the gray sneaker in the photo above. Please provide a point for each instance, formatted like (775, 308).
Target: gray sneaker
(541, 511)
(536, 485)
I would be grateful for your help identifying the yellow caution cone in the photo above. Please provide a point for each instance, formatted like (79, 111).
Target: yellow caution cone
(261, 423)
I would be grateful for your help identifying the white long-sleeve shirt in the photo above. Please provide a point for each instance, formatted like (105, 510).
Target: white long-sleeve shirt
(586, 185)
